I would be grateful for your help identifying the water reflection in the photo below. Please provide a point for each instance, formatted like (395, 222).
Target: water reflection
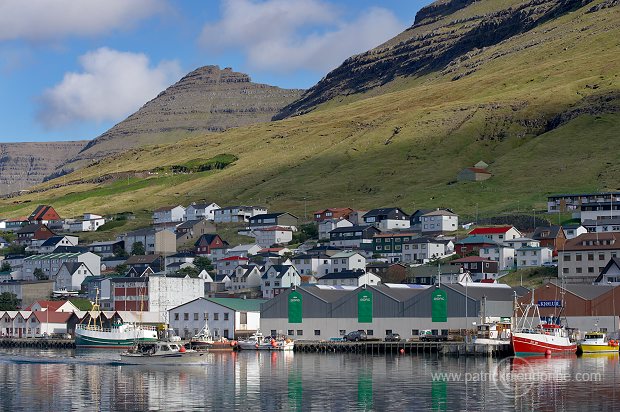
(63, 380)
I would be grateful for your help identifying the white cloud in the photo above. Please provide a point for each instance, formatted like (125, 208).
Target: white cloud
(286, 35)
(44, 19)
(112, 85)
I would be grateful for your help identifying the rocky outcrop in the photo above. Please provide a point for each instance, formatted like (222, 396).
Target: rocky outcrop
(444, 32)
(208, 99)
(25, 164)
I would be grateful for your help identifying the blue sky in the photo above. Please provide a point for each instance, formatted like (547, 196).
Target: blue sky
(69, 70)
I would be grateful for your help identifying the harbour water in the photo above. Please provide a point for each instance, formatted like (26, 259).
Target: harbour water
(62, 380)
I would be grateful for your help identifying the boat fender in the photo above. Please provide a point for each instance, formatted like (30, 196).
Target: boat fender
(548, 352)
(182, 349)
(233, 343)
(256, 346)
(274, 343)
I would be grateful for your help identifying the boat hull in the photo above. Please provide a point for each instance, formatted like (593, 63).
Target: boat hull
(539, 344)
(115, 339)
(589, 348)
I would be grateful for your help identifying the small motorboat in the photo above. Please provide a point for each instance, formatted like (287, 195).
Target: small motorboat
(162, 353)
(254, 342)
(204, 341)
(597, 342)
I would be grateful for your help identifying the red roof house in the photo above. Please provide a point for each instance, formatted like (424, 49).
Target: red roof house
(44, 214)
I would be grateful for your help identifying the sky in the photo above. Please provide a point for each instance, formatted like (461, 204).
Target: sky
(70, 70)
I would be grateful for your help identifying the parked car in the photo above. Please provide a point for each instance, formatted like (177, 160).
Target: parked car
(550, 265)
(392, 337)
(355, 336)
(428, 336)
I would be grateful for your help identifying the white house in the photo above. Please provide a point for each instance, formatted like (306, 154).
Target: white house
(89, 223)
(50, 263)
(347, 261)
(354, 278)
(520, 242)
(236, 214)
(168, 214)
(50, 244)
(275, 235)
(503, 254)
(245, 277)
(225, 317)
(498, 234)
(572, 231)
(439, 221)
(227, 265)
(278, 278)
(328, 225)
(388, 218)
(533, 256)
(244, 250)
(424, 249)
(71, 275)
(199, 211)
(307, 264)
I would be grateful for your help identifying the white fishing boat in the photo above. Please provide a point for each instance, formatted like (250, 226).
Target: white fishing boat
(120, 336)
(258, 342)
(254, 342)
(162, 353)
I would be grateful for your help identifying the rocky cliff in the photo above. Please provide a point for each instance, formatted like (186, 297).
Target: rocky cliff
(444, 34)
(25, 164)
(208, 99)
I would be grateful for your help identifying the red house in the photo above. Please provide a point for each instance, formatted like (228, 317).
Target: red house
(43, 214)
(206, 243)
(31, 232)
(472, 244)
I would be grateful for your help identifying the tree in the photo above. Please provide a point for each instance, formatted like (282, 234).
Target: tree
(9, 301)
(203, 263)
(120, 252)
(39, 274)
(138, 249)
(306, 231)
(190, 271)
(15, 249)
(6, 267)
(121, 269)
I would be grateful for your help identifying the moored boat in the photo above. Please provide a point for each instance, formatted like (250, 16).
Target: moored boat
(547, 339)
(122, 336)
(162, 353)
(119, 337)
(204, 341)
(533, 337)
(597, 342)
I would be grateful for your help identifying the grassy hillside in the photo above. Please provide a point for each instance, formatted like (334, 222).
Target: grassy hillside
(542, 108)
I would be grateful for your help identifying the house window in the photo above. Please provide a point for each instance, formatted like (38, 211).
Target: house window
(601, 256)
(370, 332)
(388, 331)
(415, 332)
(226, 316)
(195, 316)
(566, 258)
(176, 316)
(578, 257)
(226, 333)
(273, 332)
(300, 332)
(186, 316)
(291, 332)
(590, 256)
(342, 332)
(564, 270)
(317, 332)
(590, 269)
(206, 316)
(216, 316)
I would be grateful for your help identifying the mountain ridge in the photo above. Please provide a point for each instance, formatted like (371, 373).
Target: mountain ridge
(540, 107)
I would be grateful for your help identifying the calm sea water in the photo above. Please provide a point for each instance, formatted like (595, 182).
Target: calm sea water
(259, 381)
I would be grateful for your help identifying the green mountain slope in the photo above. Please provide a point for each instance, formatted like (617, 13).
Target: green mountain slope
(542, 107)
